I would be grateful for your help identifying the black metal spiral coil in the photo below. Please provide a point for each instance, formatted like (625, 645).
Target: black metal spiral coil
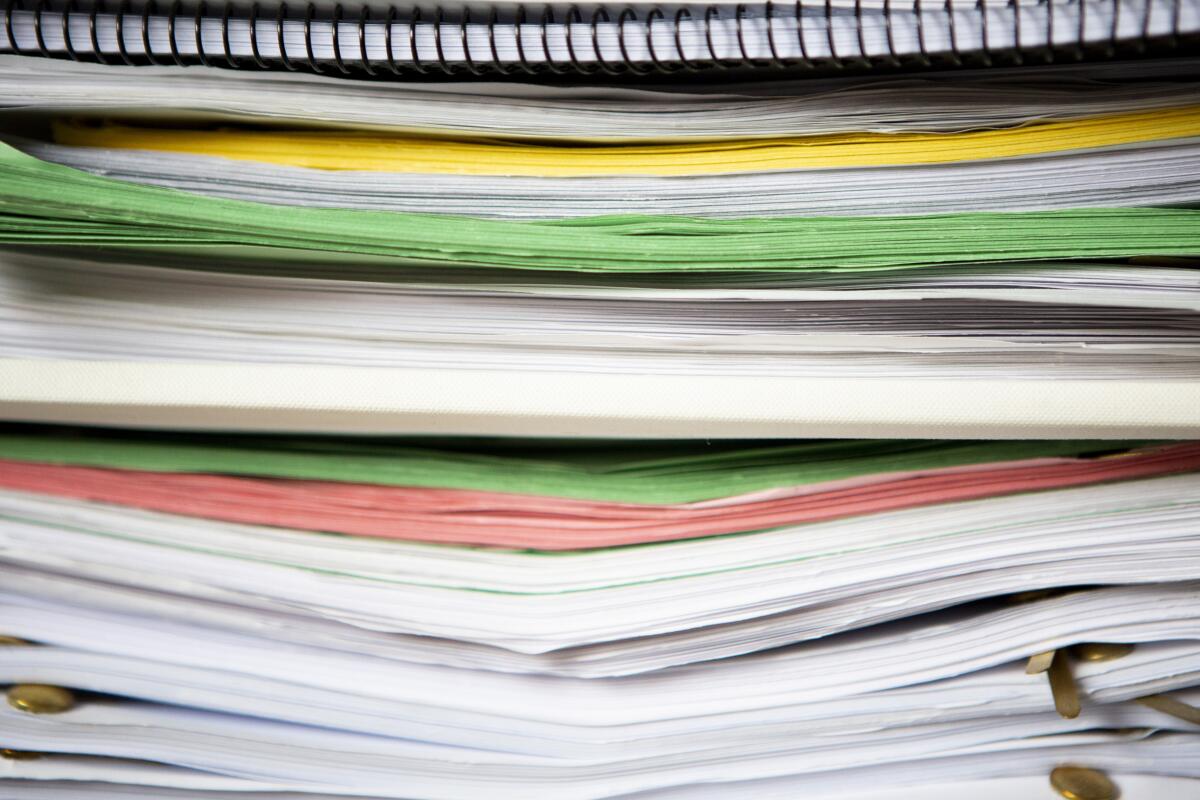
(541, 61)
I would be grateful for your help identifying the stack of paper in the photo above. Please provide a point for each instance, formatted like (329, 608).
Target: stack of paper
(669, 324)
(586, 544)
(316, 192)
(841, 612)
(694, 247)
(47, 204)
(556, 497)
(1145, 174)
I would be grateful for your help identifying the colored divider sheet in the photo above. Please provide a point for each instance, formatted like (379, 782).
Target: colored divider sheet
(642, 471)
(44, 204)
(341, 150)
(543, 503)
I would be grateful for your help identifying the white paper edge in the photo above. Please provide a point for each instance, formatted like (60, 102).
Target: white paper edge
(410, 401)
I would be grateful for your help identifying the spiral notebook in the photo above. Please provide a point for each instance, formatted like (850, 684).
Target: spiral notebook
(373, 39)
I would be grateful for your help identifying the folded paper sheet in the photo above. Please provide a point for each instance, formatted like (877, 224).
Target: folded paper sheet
(48, 204)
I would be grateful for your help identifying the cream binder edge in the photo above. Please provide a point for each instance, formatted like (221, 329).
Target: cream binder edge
(400, 401)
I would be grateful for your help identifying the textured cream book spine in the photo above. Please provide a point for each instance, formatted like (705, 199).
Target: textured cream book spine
(478, 402)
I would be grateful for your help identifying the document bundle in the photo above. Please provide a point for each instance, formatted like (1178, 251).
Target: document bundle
(600, 402)
(588, 619)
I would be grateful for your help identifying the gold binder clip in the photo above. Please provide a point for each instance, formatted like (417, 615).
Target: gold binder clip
(39, 698)
(1100, 651)
(1062, 683)
(18, 755)
(1082, 783)
(1062, 686)
(1039, 663)
(1057, 665)
(1171, 706)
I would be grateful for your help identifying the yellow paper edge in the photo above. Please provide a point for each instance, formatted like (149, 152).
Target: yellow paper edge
(333, 150)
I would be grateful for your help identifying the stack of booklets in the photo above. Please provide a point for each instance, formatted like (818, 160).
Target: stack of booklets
(794, 430)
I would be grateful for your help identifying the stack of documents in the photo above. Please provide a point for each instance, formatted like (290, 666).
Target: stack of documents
(565, 495)
(857, 612)
(967, 229)
(586, 542)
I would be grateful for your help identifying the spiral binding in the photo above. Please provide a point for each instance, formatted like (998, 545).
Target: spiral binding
(359, 65)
